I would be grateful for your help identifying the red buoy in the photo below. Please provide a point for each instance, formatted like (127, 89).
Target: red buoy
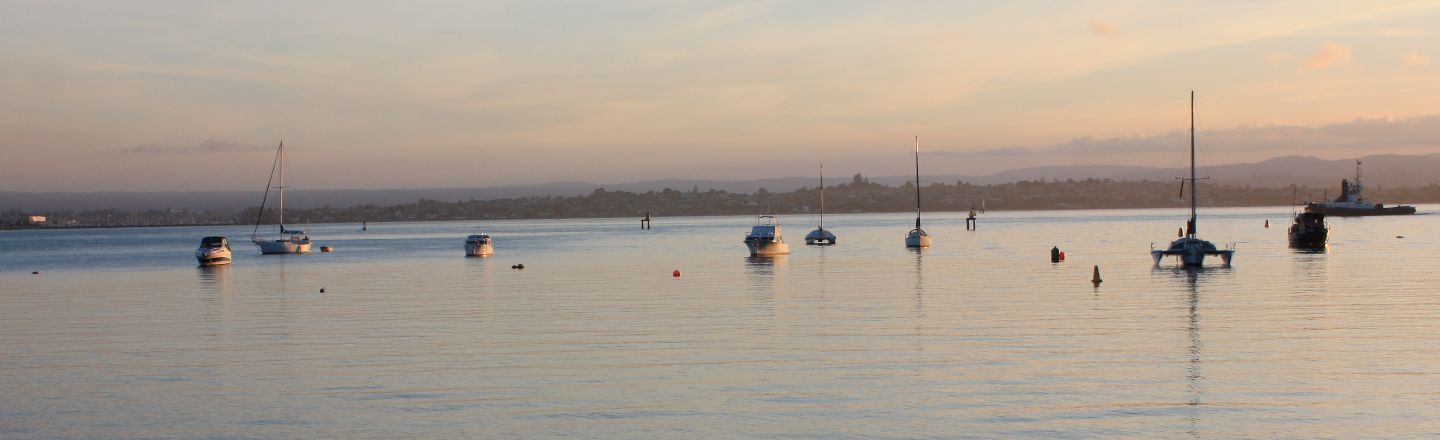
(676, 273)
(1062, 255)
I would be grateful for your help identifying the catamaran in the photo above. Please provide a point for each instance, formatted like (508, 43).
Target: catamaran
(820, 236)
(1189, 249)
(287, 241)
(917, 238)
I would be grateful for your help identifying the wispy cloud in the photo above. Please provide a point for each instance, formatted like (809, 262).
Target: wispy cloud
(1415, 59)
(1328, 55)
(1104, 28)
(1277, 57)
(209, 146)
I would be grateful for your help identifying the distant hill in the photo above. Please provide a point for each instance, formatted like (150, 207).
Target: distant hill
(1380, 171)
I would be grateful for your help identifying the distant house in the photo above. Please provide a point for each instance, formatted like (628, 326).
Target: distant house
(35, 220)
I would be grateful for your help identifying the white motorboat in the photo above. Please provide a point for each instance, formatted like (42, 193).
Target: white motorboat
(765, 238)
(821, 236)
(917, 238)
(1189, 249)
(213, 251)
(478, 245)
(287, 241)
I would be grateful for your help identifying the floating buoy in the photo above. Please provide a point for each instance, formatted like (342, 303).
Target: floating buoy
(1095, 278)
(518, 266)
(1267, 223)
(1055, 254)
(326, 249)
(1062, 255)
(676, 273)
(322, 290)
(35, 273)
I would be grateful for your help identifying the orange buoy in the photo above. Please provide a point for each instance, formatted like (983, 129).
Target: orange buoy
(1062, 255)
(326, 249)
(676, 273)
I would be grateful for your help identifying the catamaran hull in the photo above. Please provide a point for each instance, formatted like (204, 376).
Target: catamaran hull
(1193, 257)
(767, 249)
(282, 247)
(482, 250)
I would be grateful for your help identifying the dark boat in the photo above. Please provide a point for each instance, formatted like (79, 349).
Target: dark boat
(1352, 204)
(1309, 231)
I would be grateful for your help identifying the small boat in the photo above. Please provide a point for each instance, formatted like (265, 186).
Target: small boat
(917, 238)
(288, 241)
(478, 245)
(213, 251)
(765, 238)
(1189, 249)
(1352, 203)
(820, 236)
(1309, 231)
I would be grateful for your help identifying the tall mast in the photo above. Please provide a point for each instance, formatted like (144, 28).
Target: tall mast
(282, 186)
(917, 182)
(822, 196)
(1193, 180)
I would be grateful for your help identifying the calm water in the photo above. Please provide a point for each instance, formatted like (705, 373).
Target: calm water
(121, 336)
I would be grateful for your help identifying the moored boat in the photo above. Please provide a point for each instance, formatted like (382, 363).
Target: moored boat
(213, 251)
(917, 238)
(1309, 231)
(1190, 249)
(821, 236)
(288, 241)
(765, 238)
(479, 245)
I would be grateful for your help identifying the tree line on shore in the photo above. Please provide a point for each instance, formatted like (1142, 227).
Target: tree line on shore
(857, 195)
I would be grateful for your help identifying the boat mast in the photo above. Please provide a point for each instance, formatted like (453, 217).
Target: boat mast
(1193, 180)
(822, 196)
(1357, 187)
(917, 182)
(282, 187)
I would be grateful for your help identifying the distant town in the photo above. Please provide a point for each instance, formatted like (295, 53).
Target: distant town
(855, 196)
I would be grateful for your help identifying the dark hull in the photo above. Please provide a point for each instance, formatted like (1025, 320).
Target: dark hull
(1360, 212)
(1309, 240)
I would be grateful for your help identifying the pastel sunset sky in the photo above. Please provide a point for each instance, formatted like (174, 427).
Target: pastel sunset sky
(194, 95)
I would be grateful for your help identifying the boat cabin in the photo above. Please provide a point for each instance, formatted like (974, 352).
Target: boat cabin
(214, 243)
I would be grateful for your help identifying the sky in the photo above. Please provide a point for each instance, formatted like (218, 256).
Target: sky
(192, 95)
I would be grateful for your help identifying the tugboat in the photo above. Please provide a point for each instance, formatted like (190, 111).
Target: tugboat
(765, 238)
(1352, 204)
(1309, 231)
(1191, 250)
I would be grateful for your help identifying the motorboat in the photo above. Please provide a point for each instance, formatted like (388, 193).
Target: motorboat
(765, 238)
(478, 245)
(213, 251)
(1190, 249)
(821, 236)
(286, 241)
(1309, 231)
(917, 238)
(1352, 203)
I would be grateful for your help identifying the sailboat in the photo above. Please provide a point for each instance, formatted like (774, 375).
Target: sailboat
(917, 238)
(820, 236)
(1189, 249)
(288, 241)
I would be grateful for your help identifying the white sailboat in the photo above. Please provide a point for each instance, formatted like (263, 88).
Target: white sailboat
(820, 236)
(288, 241)
(917, 238)
(1189, 249)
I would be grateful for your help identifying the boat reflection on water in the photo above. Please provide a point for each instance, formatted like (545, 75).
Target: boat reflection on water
(1192, 278)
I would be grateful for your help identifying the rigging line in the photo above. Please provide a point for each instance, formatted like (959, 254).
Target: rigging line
(265, 198)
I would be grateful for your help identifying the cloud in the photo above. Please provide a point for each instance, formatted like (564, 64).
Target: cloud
(1275, 57)
(1104, 28)
(1328, 55)
(209, 146)
(1415, 59)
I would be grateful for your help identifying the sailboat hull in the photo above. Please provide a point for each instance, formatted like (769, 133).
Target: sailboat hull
(917, 241)
(274, 247)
